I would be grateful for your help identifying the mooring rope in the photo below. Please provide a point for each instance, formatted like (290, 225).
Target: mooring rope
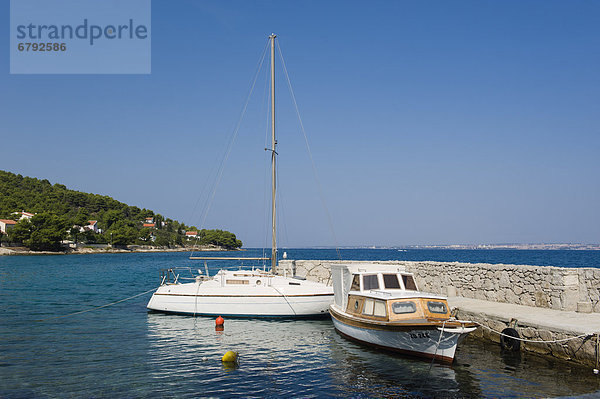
(438, 344)
(97, 307)
(434, 354)
(535, 340)
(286, 300)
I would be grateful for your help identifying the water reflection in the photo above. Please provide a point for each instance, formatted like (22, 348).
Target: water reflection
(522, 375)
(308, 358)
(275, 357)
(360, 369)
(289, 357)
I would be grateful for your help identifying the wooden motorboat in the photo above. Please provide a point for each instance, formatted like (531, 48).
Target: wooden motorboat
(381, 306)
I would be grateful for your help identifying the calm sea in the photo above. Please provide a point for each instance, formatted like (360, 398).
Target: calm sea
(123, 351)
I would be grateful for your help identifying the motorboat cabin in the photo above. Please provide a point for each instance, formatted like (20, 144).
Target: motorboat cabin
(381, 305)
(371, 293)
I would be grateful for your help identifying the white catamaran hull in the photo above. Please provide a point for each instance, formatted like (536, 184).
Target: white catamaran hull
(415, 341)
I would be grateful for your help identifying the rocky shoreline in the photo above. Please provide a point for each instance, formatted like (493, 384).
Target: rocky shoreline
(22, 251)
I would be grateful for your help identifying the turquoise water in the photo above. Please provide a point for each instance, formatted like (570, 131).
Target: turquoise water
(124, 351)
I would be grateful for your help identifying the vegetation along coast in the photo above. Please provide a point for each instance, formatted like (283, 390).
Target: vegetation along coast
(37, 217)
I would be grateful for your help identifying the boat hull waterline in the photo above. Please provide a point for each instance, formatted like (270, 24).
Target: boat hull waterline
(268, 296)
(426, 341)
(242, 306)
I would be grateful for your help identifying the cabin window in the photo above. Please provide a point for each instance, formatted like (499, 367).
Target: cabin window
(391, 281)
(370, 282)
(369, 304)
(404, 307)
(437, 307)
(379, 309)
(409, 282)
(355, 283)
(237, 282)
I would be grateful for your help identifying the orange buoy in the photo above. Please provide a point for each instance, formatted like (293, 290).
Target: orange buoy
(219, 321)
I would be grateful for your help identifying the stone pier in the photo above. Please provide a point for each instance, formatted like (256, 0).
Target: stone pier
(544, 303)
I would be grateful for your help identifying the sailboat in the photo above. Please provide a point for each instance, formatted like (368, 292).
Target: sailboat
(245, 293)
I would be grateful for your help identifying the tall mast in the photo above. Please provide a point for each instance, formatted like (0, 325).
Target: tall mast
(273, 153)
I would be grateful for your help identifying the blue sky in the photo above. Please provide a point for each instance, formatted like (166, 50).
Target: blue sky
(429, 122)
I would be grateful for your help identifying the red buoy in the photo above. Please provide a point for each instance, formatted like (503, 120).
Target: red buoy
(219, 321)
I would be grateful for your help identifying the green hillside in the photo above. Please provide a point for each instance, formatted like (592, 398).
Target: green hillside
(63, 214)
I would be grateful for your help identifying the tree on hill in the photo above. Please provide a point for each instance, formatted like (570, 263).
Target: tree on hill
(47, 232)
(20, 232)
(111, 217)
(122, 232)
(220, 238)
(44, 232)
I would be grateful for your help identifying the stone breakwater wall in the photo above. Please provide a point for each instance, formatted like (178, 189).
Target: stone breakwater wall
(549, 287)
(558, 288)
(558, 344)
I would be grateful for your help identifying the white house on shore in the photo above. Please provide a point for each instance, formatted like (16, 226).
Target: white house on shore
(24, 215)
(6, 224)
(91, 226)
(191, 234)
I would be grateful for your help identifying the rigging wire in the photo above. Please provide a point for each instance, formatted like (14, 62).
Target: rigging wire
(233, 136)
(314, 168)
(210, 177)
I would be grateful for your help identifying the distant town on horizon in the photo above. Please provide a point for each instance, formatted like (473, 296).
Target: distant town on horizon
(538, 246)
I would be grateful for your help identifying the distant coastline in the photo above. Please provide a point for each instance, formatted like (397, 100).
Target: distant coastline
(212, 248)
(22, 251)
(540, 246)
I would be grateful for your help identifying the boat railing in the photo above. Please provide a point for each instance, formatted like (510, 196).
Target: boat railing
(386, 293)
(174, 275)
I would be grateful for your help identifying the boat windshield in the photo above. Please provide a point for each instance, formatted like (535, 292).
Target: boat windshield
(370, 282)
(391, 281)
(409, 282)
